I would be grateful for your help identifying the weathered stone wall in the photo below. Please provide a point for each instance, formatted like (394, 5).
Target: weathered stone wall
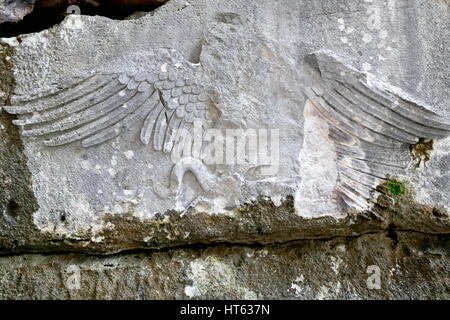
(354, 203)
(413, 266)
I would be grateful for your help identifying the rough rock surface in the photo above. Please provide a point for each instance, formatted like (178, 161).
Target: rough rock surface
(411, 266)
(352, 97)
(15, 10)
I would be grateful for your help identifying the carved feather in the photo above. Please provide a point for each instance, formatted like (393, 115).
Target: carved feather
(96, 109)
(371, 127)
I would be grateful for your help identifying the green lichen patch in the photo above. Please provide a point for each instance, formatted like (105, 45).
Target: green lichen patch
(395, 188)
(397, 203)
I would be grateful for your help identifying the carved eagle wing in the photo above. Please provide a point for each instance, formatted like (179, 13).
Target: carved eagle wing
(98, 108)
(372, 128)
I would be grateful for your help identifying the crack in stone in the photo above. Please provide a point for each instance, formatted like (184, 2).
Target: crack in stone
(202, 246)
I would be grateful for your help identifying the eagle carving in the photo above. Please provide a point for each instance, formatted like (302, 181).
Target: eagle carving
(368, 127)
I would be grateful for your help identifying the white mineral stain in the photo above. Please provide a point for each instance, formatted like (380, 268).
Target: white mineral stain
(211, 274)
(366, 67)
(85, 164)
(367, 38)
(97, 239)
(318, 167)
(114, 161)
(335, 264)
(128, 192)
(341, 23)
(129, 154)
(277, 200)
(329, 291)
(296, 287)
(13, 42)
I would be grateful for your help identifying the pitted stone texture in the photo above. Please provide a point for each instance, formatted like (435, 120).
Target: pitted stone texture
(250, 59)
(410, 266)
(15, 10)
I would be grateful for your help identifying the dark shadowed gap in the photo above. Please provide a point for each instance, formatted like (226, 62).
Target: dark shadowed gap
(48, 13)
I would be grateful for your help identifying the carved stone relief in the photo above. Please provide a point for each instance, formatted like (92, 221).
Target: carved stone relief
(357, 134)
(202, 117)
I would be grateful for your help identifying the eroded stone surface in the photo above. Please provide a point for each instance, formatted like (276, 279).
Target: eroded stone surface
(15, 11)
(373, 266)
(335, 86)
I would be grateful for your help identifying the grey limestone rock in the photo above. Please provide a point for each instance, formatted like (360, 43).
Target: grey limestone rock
(235, 122)
(15, 10)
(416, 268)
